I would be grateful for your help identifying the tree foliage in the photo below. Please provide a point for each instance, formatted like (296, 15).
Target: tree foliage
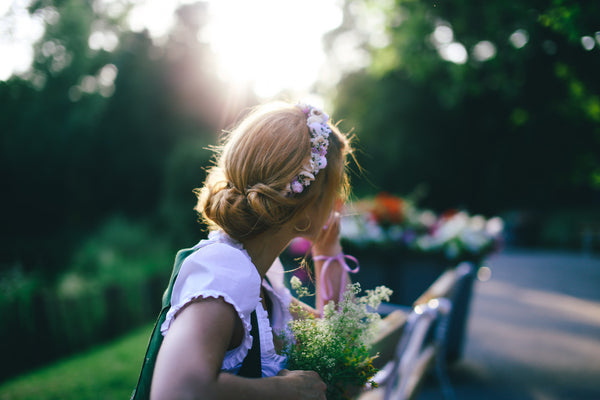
(515, 123)
(91, 129)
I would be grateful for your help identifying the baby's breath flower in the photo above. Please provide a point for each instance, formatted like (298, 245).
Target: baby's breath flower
(337, 345)
(301, 291)
(295, 282)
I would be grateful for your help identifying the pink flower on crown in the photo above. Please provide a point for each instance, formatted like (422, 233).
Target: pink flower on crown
(319, 130)
(316, 120)
(296, 186)
(315, 128)
(305, 108)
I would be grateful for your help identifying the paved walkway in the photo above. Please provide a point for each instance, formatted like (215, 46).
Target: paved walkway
(534, 331)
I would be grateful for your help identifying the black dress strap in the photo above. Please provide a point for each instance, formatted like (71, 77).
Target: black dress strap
(252, 367)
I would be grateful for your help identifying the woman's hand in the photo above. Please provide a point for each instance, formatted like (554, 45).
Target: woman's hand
(328, 242)
(305, 385)
(334, 277)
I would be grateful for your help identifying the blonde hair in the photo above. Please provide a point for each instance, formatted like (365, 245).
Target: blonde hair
(244, 191)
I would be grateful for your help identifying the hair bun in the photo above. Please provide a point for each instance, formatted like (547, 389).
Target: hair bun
(233, 191)
(252, 196)
(263, 200)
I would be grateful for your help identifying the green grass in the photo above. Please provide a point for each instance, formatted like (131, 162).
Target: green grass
(106, 372)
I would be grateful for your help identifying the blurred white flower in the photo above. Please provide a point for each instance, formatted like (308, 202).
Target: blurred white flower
(477, 223)
(474, 241)
(451, 227)
(494, 226)
(457, 236)
(427, 218)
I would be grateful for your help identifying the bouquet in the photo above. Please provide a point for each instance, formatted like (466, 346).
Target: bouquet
(337, 345)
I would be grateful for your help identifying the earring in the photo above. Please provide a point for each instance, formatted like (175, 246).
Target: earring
(304, 229)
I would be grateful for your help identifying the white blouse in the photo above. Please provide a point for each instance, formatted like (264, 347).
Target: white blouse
(220, 267)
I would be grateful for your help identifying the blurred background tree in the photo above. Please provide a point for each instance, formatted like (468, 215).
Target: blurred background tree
(103, 139)
(491, 106)
(104, 123)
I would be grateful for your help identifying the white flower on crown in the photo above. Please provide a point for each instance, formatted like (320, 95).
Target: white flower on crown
(319, 129)
(318, 161)
(317, 116)
(306, 177)
(316, 120)
(319, 141)
(322, 163)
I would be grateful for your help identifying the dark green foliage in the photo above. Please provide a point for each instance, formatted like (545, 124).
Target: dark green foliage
(116, 283)
(98, 178)
(520, 130)
(73, 155)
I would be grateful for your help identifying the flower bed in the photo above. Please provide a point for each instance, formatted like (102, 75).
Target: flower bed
(391, 223)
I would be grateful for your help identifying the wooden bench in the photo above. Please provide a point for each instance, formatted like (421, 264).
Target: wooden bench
(407, 348)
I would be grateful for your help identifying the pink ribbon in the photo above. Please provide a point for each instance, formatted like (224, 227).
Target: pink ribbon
(327, 291)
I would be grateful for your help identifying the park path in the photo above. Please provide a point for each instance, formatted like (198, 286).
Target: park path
(533, 331)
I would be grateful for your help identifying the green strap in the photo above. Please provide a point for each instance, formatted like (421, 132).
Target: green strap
(251, 366)
(142, 391)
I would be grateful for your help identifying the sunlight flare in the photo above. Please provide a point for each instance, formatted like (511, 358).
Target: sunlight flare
(273, 45)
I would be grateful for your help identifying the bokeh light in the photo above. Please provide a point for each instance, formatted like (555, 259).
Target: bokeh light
(454, 52)
(484, 50)
(588, 42)
(519, 38)
(443, 34)
(450, 50)
(18, 31)
(484, 273)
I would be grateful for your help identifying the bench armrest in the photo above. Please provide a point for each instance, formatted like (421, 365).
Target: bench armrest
(388, 335)
(442, 287)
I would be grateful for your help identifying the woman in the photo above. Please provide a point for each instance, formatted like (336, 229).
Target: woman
(277, 177)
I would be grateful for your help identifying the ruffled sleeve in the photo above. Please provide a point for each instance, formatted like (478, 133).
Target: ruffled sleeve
(219, 270)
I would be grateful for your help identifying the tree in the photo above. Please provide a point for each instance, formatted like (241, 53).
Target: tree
(89, 131)
(492, 106)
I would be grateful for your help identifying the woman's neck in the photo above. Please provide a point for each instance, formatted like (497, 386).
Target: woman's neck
(265, 248)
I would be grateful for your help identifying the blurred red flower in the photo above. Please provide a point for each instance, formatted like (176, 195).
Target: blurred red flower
(388, 209)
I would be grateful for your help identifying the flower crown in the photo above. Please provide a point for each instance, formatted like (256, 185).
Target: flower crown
(316, 120)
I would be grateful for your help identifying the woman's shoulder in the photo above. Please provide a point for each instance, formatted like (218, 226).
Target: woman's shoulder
(221, 257)
(220, 266)
(216, 270)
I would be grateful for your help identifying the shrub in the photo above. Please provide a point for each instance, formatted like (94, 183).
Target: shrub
(114, 284)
